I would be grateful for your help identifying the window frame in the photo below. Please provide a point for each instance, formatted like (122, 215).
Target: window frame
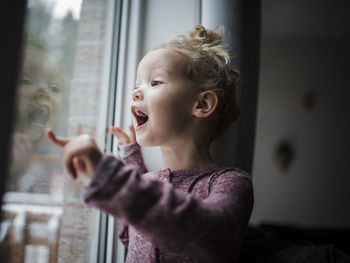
(14, 14)
(125, 58)
(104, 244)
(12, 17)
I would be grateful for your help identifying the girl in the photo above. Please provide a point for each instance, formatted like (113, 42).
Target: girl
(191, 210)
(40, 88)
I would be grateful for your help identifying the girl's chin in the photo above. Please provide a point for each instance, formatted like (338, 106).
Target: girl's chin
(144, 141)
(37, 134)
(34, 132)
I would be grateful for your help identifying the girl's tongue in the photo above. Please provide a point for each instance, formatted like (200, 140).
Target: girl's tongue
(141, 117)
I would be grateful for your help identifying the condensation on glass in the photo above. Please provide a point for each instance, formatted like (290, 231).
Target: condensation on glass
(59, 87)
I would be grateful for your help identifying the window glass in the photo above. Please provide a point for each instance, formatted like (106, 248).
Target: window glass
(62, 86)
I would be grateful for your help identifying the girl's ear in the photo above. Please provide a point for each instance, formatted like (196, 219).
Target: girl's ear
(206, 104)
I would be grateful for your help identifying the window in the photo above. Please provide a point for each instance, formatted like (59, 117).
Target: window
(63, 84)
(44, 218)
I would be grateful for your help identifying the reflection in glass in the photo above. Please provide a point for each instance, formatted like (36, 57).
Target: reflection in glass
(60, 81)
(40, 87)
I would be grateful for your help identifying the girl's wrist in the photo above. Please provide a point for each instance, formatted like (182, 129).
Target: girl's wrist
(127, 150)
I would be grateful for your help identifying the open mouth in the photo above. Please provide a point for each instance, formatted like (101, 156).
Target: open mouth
(140, 116)
(40, 116)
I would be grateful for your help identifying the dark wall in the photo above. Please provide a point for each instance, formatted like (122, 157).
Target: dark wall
(301, 164)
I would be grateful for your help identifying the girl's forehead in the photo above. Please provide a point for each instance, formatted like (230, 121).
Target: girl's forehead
(38, 60)
(164, 59)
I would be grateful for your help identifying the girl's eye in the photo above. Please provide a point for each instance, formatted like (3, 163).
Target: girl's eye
(26, 81)
(55, 89)
(155, 82)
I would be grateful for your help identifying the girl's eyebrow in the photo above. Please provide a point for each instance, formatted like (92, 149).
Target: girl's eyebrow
(163, 69)
(153, 72)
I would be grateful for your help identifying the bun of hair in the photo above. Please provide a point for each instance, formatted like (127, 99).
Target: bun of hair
(205, 40)
(199, 37)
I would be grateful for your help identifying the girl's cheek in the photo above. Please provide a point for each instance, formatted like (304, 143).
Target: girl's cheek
(157, 104)
(26, 95)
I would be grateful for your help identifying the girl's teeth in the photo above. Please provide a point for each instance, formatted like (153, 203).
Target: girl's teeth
(141, 114)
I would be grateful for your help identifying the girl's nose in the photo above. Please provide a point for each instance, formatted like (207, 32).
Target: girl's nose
(42, 93)
(137, 95)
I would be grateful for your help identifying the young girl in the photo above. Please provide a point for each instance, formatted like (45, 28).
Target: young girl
(40, 87)
(191, 210)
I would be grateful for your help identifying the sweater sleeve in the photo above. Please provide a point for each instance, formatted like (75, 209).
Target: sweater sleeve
(131, 155)
(209, 229)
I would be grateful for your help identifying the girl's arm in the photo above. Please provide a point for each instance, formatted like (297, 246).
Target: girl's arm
(210, 229)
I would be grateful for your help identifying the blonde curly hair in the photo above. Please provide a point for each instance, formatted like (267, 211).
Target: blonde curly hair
(209, 68)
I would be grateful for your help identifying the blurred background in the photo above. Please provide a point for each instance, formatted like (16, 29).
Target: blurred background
(71, 66)
(301, 168)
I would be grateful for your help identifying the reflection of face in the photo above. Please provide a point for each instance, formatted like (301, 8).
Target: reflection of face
(39, 93)
(163, 100)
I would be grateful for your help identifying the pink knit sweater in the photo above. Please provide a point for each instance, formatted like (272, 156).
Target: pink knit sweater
(194, 215)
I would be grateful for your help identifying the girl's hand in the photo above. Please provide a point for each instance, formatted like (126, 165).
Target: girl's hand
(79, 154)
(122, 137)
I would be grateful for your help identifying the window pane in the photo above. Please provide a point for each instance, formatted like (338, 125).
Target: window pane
(62, 85)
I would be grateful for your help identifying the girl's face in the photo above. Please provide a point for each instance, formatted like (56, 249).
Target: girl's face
(163, 99)
(40, 93)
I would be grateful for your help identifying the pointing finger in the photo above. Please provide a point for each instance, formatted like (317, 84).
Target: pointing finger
(51, 136)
